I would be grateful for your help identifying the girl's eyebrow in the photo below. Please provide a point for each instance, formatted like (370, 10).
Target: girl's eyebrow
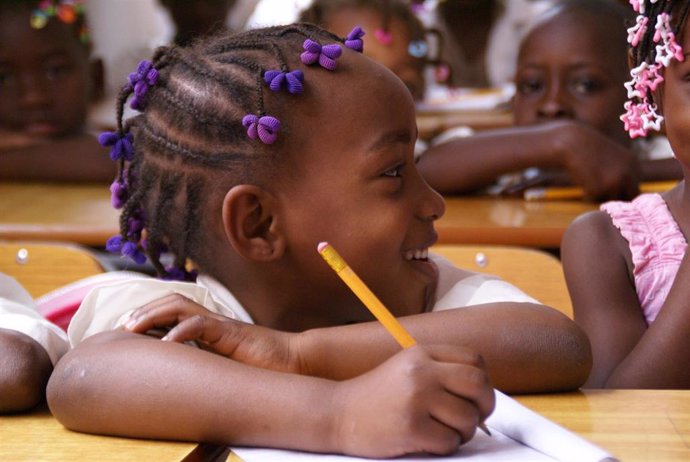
(391, 138)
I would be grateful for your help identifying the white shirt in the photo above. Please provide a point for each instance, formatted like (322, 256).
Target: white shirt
(18, 312)
(106, 308)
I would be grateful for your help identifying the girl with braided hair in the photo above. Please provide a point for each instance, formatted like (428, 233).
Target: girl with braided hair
(249, 150)
(627, 266)
(47, 82)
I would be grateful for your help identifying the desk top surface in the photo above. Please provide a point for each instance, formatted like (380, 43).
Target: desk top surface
(634, 425)
(507, 221)
(82, 214)
(66, 212)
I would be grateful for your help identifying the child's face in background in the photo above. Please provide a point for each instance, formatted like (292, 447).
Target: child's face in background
(45, 84)
(572, 68)
(394, 55)
(355, 185)
(674, 97)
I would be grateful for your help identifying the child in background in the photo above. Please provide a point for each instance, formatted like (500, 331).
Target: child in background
(198, 18)
(397, 38)
(627, 266)
(249, 151)
(566, 109)
(29, 347)
(46, 84)
(481, 36)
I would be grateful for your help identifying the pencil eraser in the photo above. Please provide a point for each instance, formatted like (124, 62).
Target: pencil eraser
(322, 245)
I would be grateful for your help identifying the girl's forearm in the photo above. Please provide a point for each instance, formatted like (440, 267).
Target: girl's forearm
(468, 164)
(125, 384)
(658, 360)
(527, 348)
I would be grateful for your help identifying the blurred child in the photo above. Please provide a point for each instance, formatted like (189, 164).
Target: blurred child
(627, 266)
(397, 39)
(249, 151)
(29, 347)
(46, 84)
(198, 18)
(481, 36)
(566, 109)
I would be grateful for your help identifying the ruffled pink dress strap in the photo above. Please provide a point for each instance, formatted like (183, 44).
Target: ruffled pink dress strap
(656, 244)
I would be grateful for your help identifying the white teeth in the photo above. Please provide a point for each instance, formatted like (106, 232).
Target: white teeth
(419, 254)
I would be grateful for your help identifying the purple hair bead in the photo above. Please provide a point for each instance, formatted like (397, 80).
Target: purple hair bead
(130, 249)
(145, 77)
(121, 145)
(264, 128)
(325, 55)
(114, 244)
(354, 39)
(118, 194)
(294, 80)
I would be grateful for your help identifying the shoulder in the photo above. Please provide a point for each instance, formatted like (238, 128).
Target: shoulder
(593, 235)
(459, 288)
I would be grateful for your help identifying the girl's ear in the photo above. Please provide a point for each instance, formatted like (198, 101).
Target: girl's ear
(252, 224)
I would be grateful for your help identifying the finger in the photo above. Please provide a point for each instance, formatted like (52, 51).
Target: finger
(434, 437)
(198, 327)
(470, 383)
(164, 312)
(457, 413)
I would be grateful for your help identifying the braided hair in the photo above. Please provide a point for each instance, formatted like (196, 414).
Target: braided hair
(653, 44)
(190, 136)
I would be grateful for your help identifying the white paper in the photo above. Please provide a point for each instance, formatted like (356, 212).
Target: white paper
(517, 434)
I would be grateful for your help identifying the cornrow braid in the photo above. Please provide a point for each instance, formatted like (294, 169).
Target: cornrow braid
(189, 136)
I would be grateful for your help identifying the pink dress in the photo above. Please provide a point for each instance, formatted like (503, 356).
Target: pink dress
(656, 244)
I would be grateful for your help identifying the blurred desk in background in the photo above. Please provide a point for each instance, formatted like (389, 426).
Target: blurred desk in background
(78, 213)
(431, 124)
(507, 221)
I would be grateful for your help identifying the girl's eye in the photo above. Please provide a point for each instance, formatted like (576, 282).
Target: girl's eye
(529, 86)
(394, 172)
(585, 86)
(5, 78)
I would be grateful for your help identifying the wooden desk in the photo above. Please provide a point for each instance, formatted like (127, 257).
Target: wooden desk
(507, 221)
(433, 124)
(38, 436)
(633, 425)
(57, 212)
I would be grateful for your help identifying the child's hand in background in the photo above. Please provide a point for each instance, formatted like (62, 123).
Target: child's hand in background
(247, 343)
(12, 140)
(426, 399)
(602, 166)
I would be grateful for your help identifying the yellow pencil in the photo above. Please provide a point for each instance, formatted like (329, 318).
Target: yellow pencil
(367, 297)
(370, 300)
(575, 192)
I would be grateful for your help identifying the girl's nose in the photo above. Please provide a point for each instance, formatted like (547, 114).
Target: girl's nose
(32, 92)
(432, 206)
(554, 105)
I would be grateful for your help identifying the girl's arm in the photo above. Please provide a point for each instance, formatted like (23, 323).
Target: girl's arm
(527, 348)
(75, 158)
(602, 166)
(627, 354)
(24, 371)
(421, 400)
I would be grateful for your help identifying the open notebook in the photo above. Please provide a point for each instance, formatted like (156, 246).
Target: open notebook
(518, 434)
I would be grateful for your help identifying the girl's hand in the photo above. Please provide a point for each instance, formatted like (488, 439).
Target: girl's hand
(246, 343)
(12, 141)
(422, 400)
